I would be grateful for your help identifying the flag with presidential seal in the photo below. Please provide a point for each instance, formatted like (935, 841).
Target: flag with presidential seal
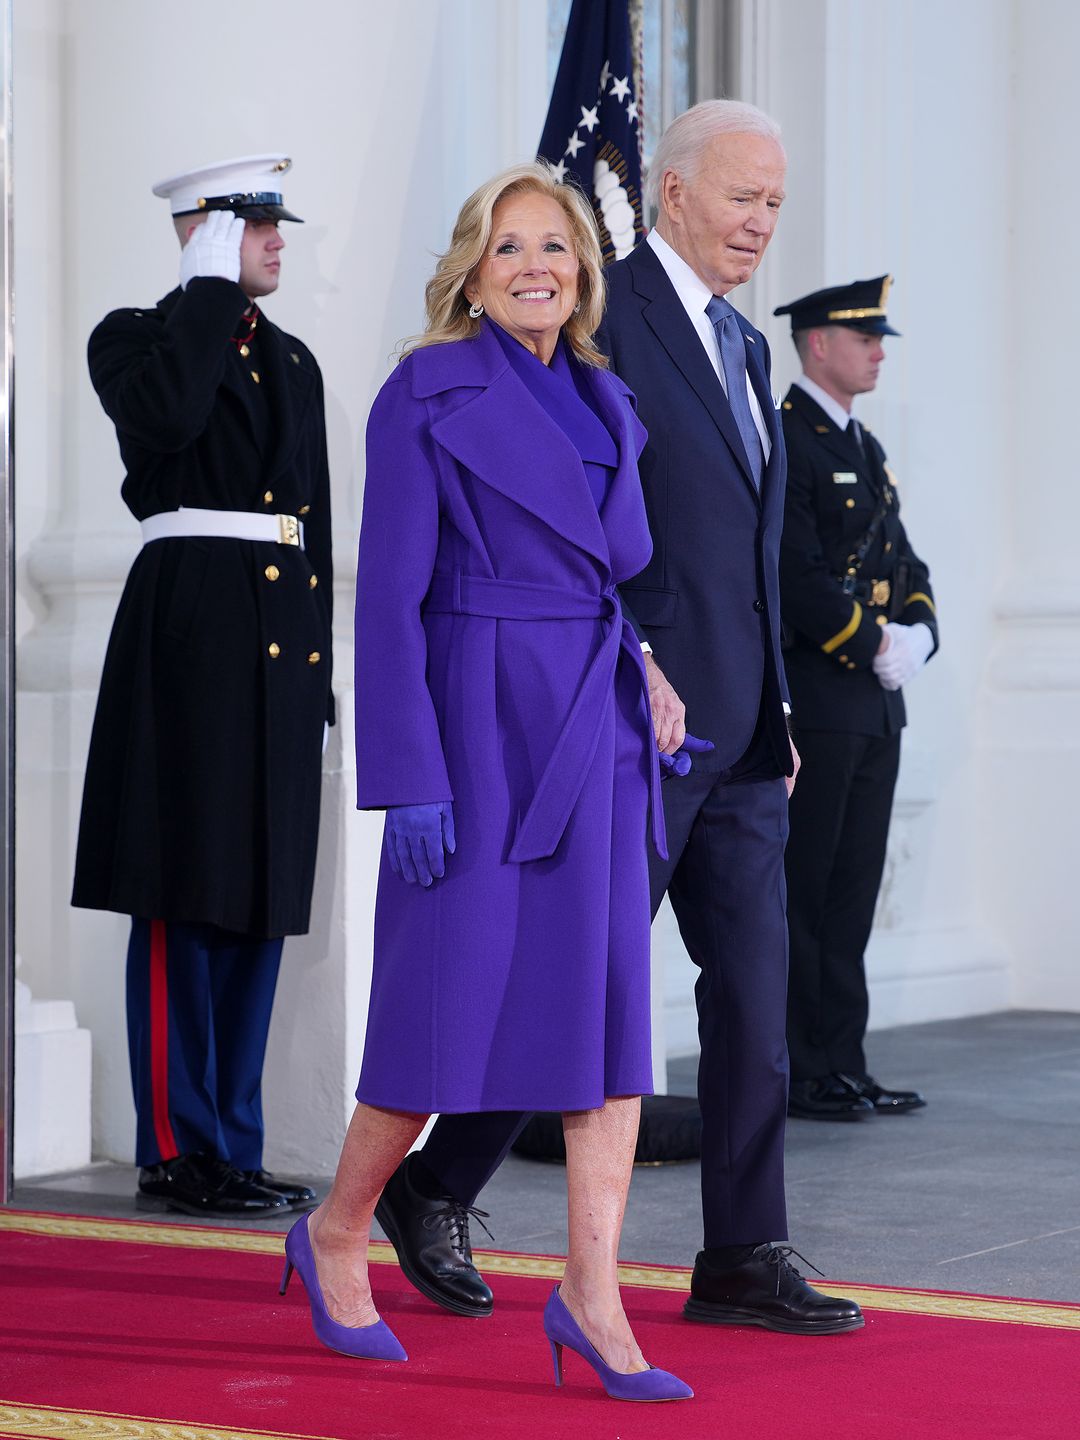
(593, 125)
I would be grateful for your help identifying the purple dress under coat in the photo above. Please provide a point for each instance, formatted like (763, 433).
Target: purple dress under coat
(494, 669)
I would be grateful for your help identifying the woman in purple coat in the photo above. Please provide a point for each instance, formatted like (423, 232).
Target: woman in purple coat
(503, 723)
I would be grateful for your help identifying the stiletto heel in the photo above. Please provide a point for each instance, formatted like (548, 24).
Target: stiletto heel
(556, 1356)
(286, 1276)
(562, 1329)
(365, 1342)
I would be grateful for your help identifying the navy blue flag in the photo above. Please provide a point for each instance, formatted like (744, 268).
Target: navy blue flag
(592, 123)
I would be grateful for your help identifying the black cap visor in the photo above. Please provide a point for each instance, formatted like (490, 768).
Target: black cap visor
(263, 206)
(869, 327)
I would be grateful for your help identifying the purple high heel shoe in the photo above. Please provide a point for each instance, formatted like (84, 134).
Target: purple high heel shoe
(561, 1329)
(365, 1342)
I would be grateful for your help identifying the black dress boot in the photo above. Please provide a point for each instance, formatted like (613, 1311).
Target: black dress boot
(830, 1097)
(767, 1290)
(431, 1237)
(885, 1102)
(198, 1184)
(296, 1196)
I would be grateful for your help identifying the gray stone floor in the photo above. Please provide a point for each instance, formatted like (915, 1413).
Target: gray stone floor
(979, 1192)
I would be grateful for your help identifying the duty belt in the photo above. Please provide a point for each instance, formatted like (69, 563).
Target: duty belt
(541, 827)
(222, 525)
(873, 592)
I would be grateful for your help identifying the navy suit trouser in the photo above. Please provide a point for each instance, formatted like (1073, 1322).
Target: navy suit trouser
(198, 1009)
(725, 877)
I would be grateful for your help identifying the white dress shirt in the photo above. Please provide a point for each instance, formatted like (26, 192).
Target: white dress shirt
(694, 296)
(833, 409)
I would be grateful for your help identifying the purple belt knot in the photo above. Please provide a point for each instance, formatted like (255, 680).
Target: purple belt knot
(548, 813)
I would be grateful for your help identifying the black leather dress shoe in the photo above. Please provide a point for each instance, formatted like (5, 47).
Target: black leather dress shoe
(296, 1196)
(831, 1097)
(200, 1185)
(886, 1102)
(767, 1290)
(431, 1237)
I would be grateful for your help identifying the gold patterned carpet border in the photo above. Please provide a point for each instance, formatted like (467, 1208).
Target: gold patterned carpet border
(43, 1423)
(540, 1267)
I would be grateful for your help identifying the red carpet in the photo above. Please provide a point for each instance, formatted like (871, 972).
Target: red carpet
(121, 1330)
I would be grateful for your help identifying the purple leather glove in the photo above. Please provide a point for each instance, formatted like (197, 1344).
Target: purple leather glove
(417, 838)
(681, 762)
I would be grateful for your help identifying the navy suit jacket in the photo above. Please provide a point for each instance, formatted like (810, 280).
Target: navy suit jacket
(708, 602)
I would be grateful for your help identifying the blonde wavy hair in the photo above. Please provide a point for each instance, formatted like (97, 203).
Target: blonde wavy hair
(447, 308)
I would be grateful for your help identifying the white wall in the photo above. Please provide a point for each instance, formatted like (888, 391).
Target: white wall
(1030, 718)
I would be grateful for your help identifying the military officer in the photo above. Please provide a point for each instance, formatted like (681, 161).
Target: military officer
(860, 622)
(201, 804)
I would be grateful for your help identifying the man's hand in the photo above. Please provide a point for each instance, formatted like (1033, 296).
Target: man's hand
(789, 780)
(907, 651)
(213, 250)
(668, 711)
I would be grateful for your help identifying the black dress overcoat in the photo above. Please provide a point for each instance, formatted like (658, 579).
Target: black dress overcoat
(201, 801)
(834, 488)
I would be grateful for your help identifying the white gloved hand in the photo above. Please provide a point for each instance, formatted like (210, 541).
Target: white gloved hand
(908, 651)
(214, 249)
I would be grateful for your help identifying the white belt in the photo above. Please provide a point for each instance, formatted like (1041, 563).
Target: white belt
(223, 524)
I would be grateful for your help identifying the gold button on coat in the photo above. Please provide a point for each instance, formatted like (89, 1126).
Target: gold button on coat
(274, 649)
(312, 582)
(850, 504)
(245, 351)
(843, 659)
(314, 658)
(255, 377)
(303, 509)
(268, 497)
(271, 572)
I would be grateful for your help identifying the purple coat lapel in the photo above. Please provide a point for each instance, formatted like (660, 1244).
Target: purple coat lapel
(497, 431)
(621, 514)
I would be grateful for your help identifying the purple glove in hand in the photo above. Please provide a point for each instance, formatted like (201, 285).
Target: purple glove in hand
(416, 838)
(680, 763)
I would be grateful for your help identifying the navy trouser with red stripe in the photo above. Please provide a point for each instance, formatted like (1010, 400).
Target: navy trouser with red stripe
(198, 1010)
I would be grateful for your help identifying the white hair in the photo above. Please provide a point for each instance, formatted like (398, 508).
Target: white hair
(684, 141)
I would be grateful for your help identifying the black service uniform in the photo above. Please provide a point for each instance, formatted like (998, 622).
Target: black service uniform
(201, 803)
(846, 726)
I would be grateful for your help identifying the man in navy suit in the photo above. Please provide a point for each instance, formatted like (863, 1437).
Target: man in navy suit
(707, 610)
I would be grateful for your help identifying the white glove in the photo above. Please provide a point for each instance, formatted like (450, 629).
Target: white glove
(214, 248)
(908, 651)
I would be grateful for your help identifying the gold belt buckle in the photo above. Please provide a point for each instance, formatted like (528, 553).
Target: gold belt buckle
(880, 590)
(289, 527)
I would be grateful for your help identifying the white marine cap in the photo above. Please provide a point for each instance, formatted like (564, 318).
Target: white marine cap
(249, 186)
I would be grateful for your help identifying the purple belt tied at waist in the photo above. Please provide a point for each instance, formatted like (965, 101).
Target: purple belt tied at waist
(541, 827)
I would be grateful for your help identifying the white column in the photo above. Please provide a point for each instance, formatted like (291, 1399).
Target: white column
(1030, 730)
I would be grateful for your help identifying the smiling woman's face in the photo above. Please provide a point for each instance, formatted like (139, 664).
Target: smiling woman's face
(528, 279)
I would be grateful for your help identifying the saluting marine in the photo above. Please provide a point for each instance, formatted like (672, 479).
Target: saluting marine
(860, 621)
(200, 811)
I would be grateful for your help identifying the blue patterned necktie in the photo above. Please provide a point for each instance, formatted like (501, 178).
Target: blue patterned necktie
(733, 359)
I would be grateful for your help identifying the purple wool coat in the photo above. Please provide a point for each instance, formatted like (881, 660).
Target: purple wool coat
(494, 669)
